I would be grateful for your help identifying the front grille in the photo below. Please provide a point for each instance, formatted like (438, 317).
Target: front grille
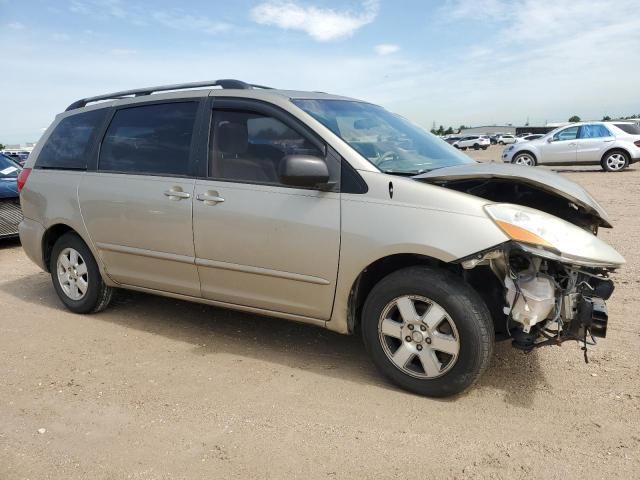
(10, 216)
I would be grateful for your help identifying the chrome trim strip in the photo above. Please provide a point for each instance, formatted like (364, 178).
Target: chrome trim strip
(201, 262)
(145, 253)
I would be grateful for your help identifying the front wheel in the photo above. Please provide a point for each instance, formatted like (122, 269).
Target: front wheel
(463, 148)
(615, 161)
(524, 159)
(427, 331)
(76, 276)
(476, 146)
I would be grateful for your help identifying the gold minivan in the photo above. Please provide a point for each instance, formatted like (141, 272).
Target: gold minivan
(319, 209)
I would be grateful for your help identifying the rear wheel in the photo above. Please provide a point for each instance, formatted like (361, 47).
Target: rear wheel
(476, 146)
(427, 331)
(615, 161)
(76, 276)
(463, 148)
(524, 158)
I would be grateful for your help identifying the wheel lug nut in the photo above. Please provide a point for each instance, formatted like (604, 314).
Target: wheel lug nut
(410, 327)
(419, 347)
(423, 328)
(429, 341)
(408, 338)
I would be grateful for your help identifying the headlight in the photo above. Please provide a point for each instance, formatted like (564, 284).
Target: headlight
(527, 225)
(540, 232)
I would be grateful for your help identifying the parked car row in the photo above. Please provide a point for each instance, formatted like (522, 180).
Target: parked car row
(612, 145)
(18, 156)
(10, 213)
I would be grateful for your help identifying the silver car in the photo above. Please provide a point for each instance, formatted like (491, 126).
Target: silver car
(612, 145)
(318, 209)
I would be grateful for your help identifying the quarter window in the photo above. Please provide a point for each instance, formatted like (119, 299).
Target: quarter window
(249, 147)
(567, 134)
(153, 139)
(594, 131)
(69, 143)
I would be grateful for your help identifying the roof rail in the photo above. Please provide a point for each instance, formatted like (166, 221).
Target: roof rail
(139, 92)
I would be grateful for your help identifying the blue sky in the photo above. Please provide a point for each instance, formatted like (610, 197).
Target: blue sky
(451, 62)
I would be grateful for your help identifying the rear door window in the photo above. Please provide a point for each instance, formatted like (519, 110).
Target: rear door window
(153, 139)
(594, 131)
(69, 143)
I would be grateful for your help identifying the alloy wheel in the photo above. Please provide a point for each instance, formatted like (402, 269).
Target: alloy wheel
(418, 336)
(525, 159)
(72, 274)
(616, 162)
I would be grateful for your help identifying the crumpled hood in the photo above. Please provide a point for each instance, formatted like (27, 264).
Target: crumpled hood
(535, 176)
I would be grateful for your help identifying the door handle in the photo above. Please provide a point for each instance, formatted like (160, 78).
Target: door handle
(175, 194)
(609, 140)
(210, 198)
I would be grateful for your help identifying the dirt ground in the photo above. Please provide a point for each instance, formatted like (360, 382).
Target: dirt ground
(155, 388)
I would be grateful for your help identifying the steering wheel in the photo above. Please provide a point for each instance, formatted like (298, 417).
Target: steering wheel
(387, 157)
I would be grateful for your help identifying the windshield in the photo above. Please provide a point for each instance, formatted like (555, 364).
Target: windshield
(386, 140)
(8, 168)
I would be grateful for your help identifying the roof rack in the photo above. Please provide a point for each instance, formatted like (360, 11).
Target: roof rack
(139, 92)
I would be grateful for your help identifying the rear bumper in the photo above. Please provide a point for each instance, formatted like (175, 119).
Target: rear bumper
(31, 233)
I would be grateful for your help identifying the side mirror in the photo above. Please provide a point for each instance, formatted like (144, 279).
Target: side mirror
(304, 171)
(550, 139)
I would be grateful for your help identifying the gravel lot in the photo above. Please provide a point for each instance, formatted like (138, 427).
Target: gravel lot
(155, 388)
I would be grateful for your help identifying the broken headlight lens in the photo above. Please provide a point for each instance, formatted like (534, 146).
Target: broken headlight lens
(528, 225)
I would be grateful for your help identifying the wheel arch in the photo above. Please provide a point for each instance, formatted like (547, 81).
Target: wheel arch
(615, 149)
(376, 271)
(529, 151)
(51, 236)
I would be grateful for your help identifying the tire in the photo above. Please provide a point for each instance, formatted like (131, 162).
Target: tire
(524, 158)
(463, 148)
(80, 274)
(476, 146)
(485, 147)
(465, 319)
(615, 161)
(501, 142)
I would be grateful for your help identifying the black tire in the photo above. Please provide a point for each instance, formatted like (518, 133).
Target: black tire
(463, 148)
(484, 148)
(607, 168)
(501, 142)
(463, 306)
(98, 295)
(476, 146)
(534, 161)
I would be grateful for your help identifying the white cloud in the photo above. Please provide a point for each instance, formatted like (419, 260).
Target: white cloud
(322, 24)
(386, 49)
(60, 37)
(190, 22)
(16, 26)
(122, 52)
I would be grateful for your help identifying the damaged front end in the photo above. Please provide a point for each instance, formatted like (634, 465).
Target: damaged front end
(548, 284)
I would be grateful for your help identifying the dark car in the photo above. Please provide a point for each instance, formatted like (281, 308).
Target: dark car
(10, 212)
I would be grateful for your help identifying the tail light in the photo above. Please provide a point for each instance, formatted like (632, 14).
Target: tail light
(22, 178)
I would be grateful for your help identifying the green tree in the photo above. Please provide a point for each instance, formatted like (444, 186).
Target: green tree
(2, 146)
(448, 131)
(574, 119)
(606, 118)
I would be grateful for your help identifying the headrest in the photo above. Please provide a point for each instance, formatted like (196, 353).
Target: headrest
(232, 137)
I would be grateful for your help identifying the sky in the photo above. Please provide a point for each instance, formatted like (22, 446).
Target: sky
(452, 62)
